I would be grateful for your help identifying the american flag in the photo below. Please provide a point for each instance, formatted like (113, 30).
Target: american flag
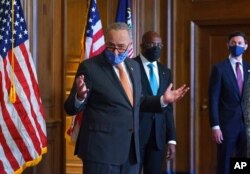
(94, 38)
(123, 14)
(94, 45)
(23, 137)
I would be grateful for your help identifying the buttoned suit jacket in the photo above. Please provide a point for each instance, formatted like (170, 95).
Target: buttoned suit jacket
(164, 122)
(225, 101)
(109, 120)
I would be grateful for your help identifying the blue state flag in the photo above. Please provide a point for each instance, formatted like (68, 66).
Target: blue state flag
(123, 14)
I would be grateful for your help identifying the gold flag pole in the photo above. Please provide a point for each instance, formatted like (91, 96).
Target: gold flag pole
(84, 30)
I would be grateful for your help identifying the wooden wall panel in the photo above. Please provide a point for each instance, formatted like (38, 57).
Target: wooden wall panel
(46, 30)
(50, 56)
(76, 21)
(213, 48)
(155, 19)
(200, 27)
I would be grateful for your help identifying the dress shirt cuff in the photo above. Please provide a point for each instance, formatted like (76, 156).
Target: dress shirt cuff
(216, 127)
(78, 103)
(163, 105)
(172, 142)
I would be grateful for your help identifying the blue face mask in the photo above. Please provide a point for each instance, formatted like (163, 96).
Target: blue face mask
(236, 50)
(115, 59)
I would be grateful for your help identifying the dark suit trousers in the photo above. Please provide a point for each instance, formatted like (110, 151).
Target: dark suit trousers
(230, 147)
(151, 156)
(129, 167)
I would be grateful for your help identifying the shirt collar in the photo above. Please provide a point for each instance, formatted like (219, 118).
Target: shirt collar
(234, 61)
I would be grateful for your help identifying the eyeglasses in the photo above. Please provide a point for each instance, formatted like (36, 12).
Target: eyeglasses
(120, 48)
(153, 44)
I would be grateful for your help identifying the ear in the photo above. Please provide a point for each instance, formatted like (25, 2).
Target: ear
(246, 46)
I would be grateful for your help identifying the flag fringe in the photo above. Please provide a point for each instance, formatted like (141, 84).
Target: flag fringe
(31, 163)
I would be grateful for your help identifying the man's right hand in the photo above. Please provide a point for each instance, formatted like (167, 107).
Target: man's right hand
(81, 88)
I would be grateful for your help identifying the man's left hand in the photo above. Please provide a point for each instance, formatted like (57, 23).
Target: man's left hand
(171, 96)
(170, 151)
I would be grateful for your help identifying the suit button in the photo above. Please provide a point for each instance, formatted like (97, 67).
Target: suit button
(130, 130)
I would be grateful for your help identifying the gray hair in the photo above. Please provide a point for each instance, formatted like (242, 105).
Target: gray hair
(119, 26)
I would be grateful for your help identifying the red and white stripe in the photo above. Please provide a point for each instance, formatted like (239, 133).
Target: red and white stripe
(95, 45)
(23, 136)
(131, 52)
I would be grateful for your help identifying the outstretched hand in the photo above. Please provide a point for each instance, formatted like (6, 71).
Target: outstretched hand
(81, 88)
(171, 96)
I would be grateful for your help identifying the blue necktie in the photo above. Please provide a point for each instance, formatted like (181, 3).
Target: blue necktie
(152, 79)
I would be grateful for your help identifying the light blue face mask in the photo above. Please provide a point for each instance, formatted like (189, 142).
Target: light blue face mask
(236, 50)
(116, 59)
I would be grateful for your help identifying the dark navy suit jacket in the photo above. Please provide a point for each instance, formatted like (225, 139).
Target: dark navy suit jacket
(225, 101)
(109, 120)
(164, 122)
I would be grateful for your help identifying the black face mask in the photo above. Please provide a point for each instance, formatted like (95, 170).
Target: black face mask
(152, 54)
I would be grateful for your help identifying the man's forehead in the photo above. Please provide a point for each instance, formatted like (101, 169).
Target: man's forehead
(237, 38)
(117, 35)
(155, 39)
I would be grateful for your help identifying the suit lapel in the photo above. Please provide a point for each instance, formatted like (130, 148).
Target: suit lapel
(230, 74)
(162, 79)
(144, 78)
(130, 69)
(245, 70)
(110, 72)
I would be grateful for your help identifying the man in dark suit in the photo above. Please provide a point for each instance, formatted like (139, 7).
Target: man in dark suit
(226, 105)
(157, 130)
(108, 140)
